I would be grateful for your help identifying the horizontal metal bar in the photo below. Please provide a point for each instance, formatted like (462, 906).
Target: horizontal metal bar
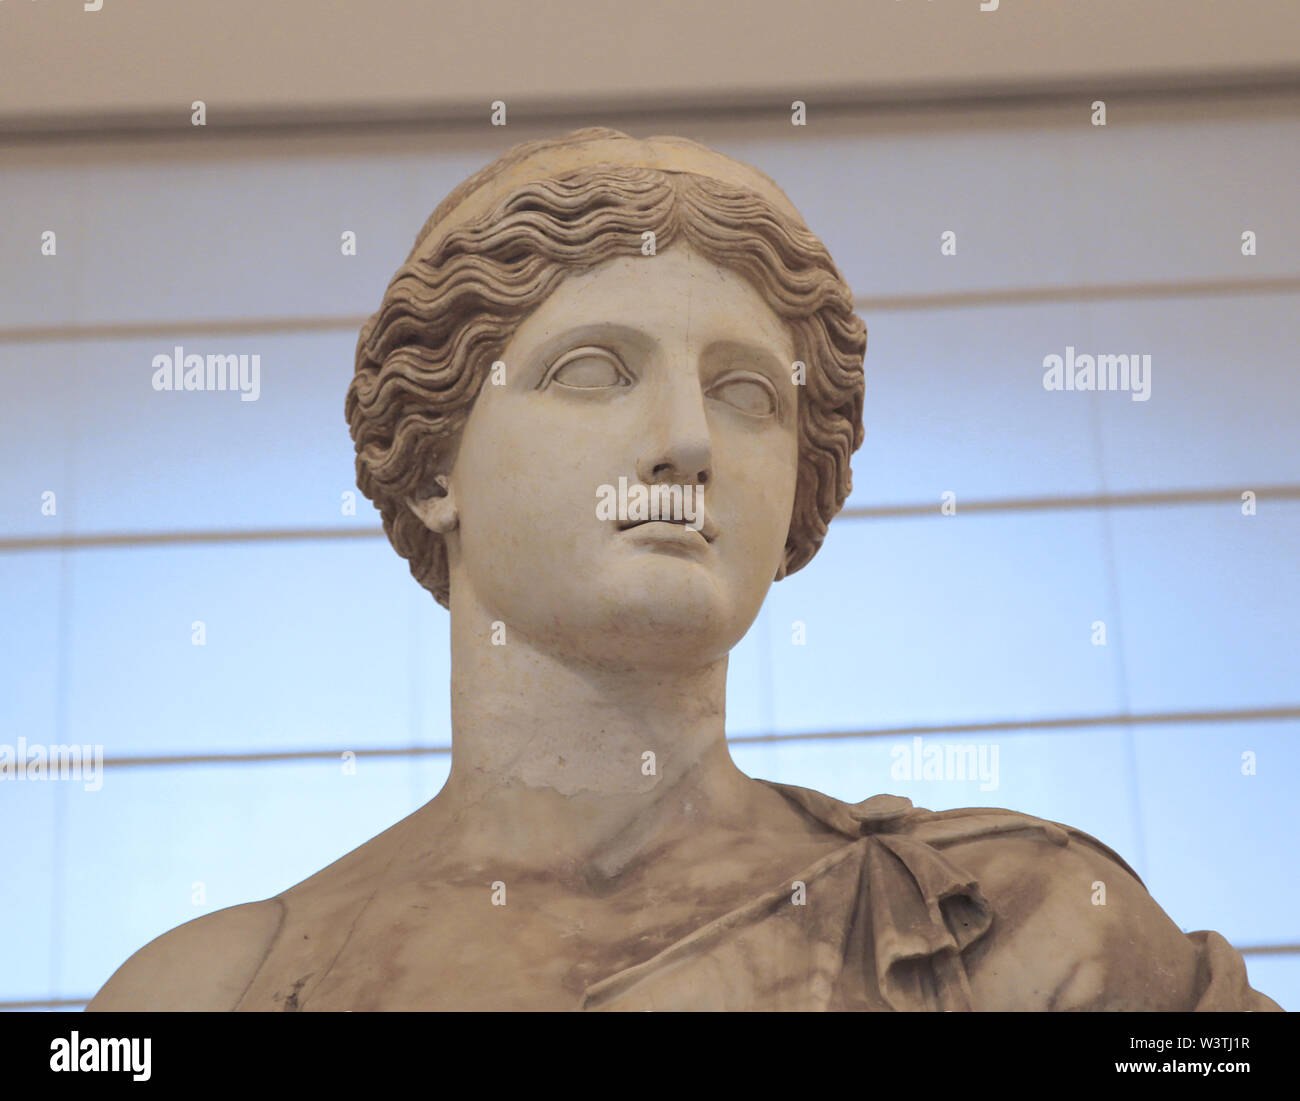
(997, 296)
(1158, 499)
(1008, 726)
(274, 756)
(1082, 292)
(52, 1003)
(667, 108)
(182, 538)
(1154, 499)
(190, 327)
(1026, 726)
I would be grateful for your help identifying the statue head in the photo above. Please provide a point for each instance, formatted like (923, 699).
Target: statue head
(655, 301)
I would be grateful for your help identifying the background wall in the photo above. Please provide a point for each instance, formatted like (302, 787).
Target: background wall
(226, 779)
(146, 60)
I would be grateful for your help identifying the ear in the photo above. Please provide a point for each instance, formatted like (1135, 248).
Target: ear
(438, 514)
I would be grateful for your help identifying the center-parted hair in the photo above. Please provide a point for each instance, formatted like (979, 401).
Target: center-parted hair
(453, 306)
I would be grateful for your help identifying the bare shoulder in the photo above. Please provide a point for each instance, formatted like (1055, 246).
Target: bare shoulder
(205, 964)
(209, 964)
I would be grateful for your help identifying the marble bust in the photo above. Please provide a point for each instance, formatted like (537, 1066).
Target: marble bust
(596, 312)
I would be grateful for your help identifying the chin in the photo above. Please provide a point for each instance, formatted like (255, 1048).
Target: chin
(659, 610)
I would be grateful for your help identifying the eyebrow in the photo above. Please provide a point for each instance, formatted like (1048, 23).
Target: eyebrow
(594, 332)
(759, 355)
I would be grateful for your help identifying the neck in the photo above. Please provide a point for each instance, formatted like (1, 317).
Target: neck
(556, 760)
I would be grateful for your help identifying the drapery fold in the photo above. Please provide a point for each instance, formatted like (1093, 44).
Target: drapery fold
(882, 923)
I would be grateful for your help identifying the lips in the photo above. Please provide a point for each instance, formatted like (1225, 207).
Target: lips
(708, 529)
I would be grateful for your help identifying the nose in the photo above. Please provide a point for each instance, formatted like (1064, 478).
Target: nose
(679, 451)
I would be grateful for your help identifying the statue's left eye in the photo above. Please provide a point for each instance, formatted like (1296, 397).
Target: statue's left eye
(747, 393)
(588, 369)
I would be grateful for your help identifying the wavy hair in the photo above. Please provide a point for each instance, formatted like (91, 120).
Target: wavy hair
(450, 311)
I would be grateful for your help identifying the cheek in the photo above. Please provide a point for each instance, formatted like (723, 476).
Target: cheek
(524, 499)
(779, 503)
(769, 469)
(498, 496)
(759, 500)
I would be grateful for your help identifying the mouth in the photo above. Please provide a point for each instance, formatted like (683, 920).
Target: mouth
(671, 537)
(673, 529)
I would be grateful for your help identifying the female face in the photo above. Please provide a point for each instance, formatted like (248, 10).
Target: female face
(666, 370)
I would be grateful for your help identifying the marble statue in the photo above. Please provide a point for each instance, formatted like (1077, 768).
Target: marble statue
(609, 398)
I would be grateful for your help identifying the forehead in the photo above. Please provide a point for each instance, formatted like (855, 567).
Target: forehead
(676, 296)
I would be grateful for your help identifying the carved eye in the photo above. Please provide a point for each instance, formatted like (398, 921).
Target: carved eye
(588, 369)
(750, 394)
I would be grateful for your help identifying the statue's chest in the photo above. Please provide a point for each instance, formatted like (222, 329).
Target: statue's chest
(446, 947)
(727, 932)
